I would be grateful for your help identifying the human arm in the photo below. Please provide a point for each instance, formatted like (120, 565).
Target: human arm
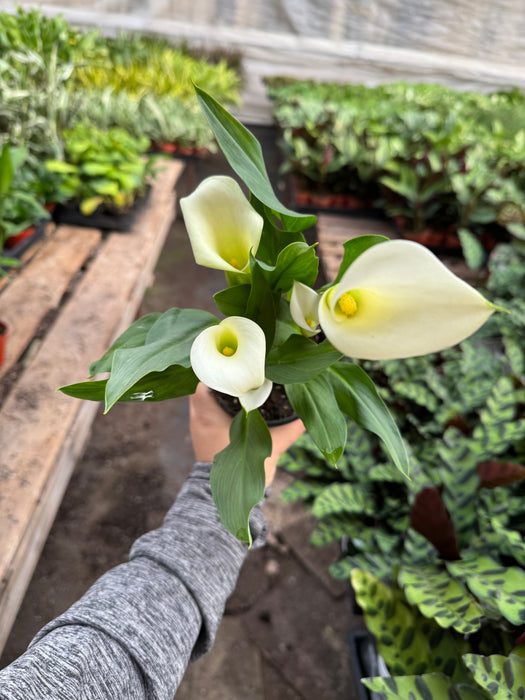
(134, 632)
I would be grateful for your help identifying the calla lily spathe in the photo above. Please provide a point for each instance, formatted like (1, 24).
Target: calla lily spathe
(304, 307)
(230, 358)
(398, 300)
(222, 225)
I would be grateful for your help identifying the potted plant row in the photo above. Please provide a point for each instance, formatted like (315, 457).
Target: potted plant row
(445, 166)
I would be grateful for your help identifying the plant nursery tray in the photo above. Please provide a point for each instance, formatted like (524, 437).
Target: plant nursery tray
(311, 202)
(74, 296)
(103, 219)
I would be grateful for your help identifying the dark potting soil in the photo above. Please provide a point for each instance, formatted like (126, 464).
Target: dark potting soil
(275, 410)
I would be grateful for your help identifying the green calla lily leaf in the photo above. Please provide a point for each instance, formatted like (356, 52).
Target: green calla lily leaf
(133, 337)
(233, 301)
(237, 477)
(315, 404)
(168, 343)
(299, 359)
(244, 154)
(173, 382)
(358, 398)
(353, 249)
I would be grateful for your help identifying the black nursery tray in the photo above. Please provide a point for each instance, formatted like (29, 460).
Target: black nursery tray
(102, 218)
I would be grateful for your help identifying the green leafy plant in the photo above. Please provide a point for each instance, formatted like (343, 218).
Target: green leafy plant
(432, 158)
(19, 209)
(141, 65)
(161, 119)
(102, 168)
(39, 58)
(272, 330)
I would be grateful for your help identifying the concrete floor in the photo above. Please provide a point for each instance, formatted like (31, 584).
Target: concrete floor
(284, 635)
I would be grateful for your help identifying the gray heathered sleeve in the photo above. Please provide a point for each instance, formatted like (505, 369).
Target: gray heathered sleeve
(133, 633)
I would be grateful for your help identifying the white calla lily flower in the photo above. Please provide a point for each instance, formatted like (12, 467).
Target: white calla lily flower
(304, 307)
(230, 358)
(222, 225)
(398, 300)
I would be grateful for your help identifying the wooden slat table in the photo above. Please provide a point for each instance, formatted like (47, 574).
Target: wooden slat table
(96, 284)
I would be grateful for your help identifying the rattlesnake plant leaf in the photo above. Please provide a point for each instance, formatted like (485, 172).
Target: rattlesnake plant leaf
(344, 498)
(430, 686)
(328, 530)
(408, 642)
(360, 451)
(515, 354)
(417, 548)
(499, 589)
(441, 598)
(301, 490)
(498, 428)
(461, 481)
(419, 394)
(379, 565)
(503, 541)
(502, 676)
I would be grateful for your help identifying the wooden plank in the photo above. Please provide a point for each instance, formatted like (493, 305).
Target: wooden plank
(39, 287)
(42, 431)
(333, 230)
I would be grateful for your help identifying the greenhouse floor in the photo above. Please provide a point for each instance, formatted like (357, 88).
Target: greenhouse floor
(284, 635)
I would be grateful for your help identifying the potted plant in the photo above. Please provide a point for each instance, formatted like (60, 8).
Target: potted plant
(19, 209)
(272, 330)
(105, 173)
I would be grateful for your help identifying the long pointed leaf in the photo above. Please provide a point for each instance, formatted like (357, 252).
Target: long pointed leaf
(175, 381)
(244, 154)
(315, 404)
(358, 398)
(237, 477)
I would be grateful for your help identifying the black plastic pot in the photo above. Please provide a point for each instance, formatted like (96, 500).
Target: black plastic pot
(365, 662)
(102, 218)
(19, 249)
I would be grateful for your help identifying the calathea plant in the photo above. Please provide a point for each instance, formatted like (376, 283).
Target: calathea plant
(391, 299)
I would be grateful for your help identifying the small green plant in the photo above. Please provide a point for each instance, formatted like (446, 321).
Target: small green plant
(103, 168)
(19, 208)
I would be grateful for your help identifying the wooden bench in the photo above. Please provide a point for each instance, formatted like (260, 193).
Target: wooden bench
(87, 287)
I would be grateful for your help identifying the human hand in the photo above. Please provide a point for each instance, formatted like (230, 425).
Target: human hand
(210, 431)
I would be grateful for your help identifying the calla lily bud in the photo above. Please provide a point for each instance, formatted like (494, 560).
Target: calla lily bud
(304, 307)
(398, 300)
(230, 358)
(222, 225)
